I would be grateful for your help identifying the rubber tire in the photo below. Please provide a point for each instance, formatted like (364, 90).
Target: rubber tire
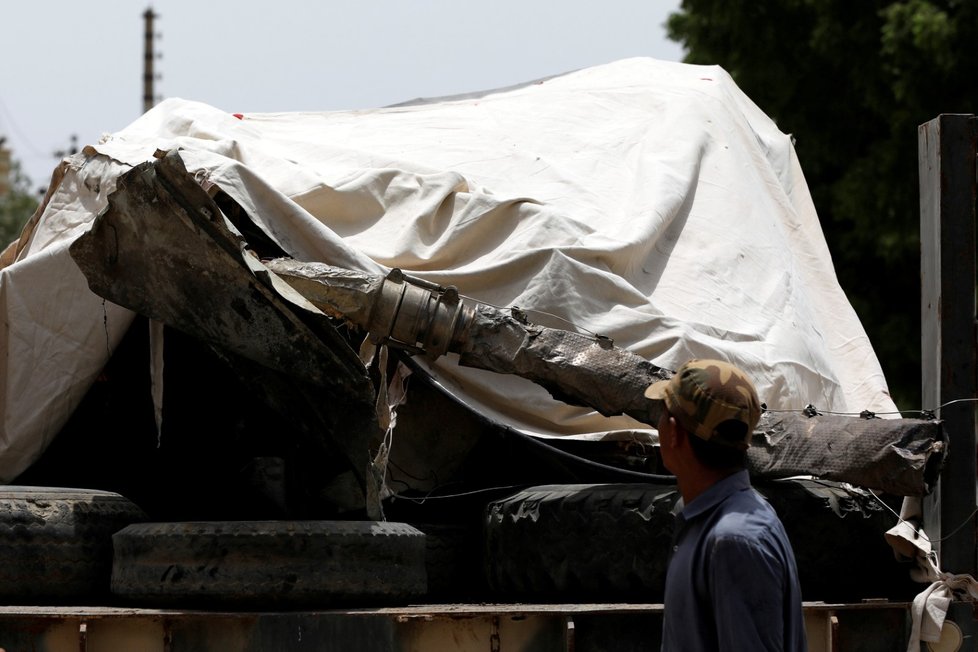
(612, 542)
(837, 537)
(581, 542)
(56, 543)
(268, 564)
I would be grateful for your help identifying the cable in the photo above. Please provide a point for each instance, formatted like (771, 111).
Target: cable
(955, 530)
(20, 133)
(889, 509)
(427, 497)
(957, 400)
(918, 529)
(617, 472)
(394, 465)
(923, 412)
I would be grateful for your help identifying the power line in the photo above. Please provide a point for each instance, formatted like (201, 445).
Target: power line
(21, 135)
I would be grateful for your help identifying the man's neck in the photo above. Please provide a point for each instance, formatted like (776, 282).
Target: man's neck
(693, 484)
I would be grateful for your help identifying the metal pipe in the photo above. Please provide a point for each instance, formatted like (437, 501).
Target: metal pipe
(902, 457)
(435, 320)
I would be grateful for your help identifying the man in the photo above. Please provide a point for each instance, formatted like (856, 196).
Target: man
(732, 583)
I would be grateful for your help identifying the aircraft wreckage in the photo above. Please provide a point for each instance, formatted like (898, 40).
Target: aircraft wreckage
(197, 262)
(296, 275)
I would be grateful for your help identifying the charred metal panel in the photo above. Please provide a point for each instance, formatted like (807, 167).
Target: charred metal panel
(947, 150)
(163, 249)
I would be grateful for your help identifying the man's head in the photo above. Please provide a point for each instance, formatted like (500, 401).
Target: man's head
(716, 403)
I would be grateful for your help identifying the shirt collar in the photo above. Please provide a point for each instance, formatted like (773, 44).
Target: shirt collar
(717, 494)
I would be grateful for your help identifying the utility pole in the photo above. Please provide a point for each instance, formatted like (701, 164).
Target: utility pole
(149, 56)
(5, 180)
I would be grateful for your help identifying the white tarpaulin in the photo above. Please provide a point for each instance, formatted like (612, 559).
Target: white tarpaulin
(646, 201)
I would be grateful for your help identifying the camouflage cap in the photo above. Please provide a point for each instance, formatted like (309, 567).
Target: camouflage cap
(705, 393)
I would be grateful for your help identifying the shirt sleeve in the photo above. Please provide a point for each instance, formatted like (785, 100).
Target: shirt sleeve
(747, 592)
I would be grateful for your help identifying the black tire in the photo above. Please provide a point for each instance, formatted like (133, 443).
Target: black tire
(269, 564)
(56, 543)
(612, 542)
(590, 542)
(837, 537)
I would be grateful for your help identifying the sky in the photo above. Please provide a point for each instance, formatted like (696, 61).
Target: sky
(74, 69)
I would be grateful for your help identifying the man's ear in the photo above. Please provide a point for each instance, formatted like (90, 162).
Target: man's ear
(679, 433)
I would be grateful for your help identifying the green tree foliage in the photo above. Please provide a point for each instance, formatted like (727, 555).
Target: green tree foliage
(16, 207)
(851, 81)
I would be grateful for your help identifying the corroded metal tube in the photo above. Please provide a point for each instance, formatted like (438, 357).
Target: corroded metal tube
(434, 320)
(146, 252)
(409, 313)
(901, 457)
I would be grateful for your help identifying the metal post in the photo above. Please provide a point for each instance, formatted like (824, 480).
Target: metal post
(149, 76)
(947, 151)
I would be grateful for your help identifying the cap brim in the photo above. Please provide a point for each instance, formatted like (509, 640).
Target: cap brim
(657, 390)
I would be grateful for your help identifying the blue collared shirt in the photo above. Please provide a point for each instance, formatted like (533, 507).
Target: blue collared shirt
(732, 582)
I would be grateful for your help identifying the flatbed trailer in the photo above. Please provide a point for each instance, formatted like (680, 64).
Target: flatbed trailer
(868, 626)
